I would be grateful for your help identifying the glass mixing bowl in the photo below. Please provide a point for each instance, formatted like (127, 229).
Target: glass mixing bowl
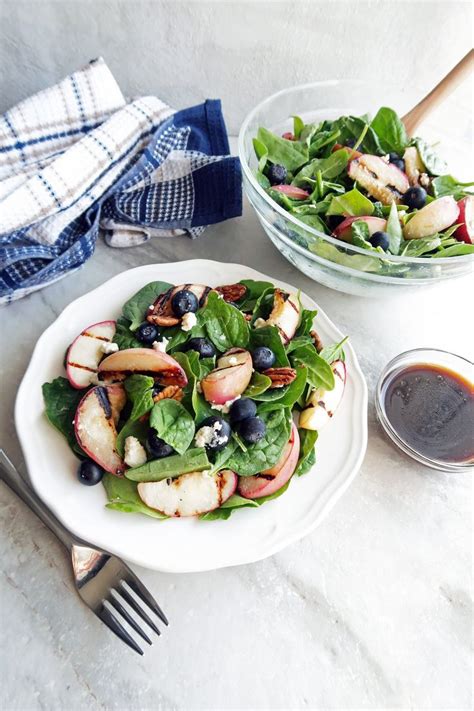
(325, 259)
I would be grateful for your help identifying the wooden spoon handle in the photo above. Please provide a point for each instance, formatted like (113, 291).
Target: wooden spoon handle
(437, 95)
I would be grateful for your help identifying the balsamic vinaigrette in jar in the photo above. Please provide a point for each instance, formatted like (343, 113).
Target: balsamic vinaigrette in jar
(432, 409)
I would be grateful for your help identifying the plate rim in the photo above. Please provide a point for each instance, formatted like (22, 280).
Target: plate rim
(329, 497)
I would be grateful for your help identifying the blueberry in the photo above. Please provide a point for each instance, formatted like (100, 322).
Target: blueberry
(252, 429)
(263, 358)
(216, 435)
(157, 389)
(156, 446)
(399, 163)
(380, 239)
(89, 472)
(202, 346)
(276, 174)
(241, 409)
(415, 198)
(350, 143)
(334, 221)
(147, 333)
(184, 302)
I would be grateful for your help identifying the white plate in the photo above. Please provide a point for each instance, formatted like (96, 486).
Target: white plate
(182, 545)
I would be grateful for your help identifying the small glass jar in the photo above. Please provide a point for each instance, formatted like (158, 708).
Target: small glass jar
(421, 357)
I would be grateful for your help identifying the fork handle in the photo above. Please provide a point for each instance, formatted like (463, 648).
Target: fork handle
(16, 483)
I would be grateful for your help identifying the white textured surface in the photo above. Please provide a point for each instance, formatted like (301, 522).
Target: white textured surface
(240, 51)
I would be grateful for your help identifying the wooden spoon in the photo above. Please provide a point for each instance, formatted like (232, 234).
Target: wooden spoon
(437, 95)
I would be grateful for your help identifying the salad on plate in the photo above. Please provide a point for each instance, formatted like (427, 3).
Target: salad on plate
(197, 401)
(365, 182)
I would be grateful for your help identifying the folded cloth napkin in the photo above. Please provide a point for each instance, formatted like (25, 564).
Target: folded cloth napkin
(77, 156)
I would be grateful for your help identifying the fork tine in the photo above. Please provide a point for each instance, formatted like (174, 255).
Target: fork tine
(138, 588)
(128, 618)
(108, 619)
(132, 602)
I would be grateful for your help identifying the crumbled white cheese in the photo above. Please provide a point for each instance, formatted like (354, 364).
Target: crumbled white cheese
(226, 406)
(108, 347)
(151, 307)
(188, 321)
(160, 346)
(259, 323)
(209, 435)
(135, 454)
(386, 158)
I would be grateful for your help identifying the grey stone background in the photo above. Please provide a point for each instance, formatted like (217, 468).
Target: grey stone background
(237, 51)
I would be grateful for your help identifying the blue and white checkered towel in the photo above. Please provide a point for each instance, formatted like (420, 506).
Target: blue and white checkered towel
(77, 156)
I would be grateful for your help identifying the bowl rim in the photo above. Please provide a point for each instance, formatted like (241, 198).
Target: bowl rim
(397, 259)
(389, 371)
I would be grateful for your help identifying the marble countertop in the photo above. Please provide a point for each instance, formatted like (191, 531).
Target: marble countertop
(370, 611)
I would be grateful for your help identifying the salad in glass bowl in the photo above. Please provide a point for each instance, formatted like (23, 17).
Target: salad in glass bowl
(365, 183)
(197, 401)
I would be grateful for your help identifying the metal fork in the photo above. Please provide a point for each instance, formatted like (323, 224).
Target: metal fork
(103, 581)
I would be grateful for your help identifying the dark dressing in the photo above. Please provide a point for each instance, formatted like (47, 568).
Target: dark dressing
(432, 409)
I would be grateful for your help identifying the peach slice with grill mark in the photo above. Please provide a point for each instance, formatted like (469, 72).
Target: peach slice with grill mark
(189, 494)
(465, 232)
(230, 378)
(147, 361)
(322, 404)
(95, 424)
(86, 351)
(383, 181)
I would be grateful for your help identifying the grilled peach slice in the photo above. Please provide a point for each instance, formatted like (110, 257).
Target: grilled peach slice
(432, 218)
(322, 404)
(148, 361)
(384, 181)
(189, 494)
(285, 315)
(86, 351)
(269, 481)
(465, 232)
(230, 378)
(95, 424)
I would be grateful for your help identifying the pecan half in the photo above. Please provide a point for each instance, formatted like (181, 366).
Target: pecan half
(280, 376)
(318, 344)
(232, 292)
(171, 392)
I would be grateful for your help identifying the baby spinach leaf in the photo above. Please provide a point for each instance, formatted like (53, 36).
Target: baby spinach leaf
(173, 424)
(268, 336)
(262, 180)
(258, 385)
(297, 342)
(225, 325)
(262, 154)
(323, 139)
(292, 392)
(267, 452)
(455, 250)
(433, 163)
(447, 185)
(61, 401)
(352, 127)
(124, 337)
(132, 428)
(254, 291)
(220, 459)
(263, 304)
(136, 307)
(328, 168)
(298, 126)
(225, 510)
(390, 131)
(140, 392)
(306, 322)
(194, 460)
(123, 496)
(352, 203)
(313, 221)
(291, 154)
(307, 457)
(319, 370)
(394, 230)
(419, 247)
(334, 351)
